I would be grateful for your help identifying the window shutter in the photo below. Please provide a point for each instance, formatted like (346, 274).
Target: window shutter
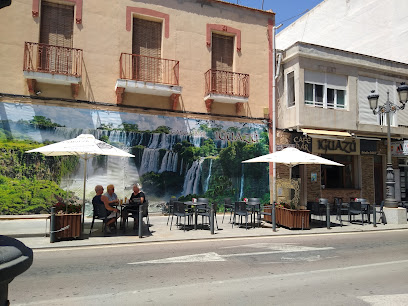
(57, 26)
(57, 22)
(222, 52)
(147, 36)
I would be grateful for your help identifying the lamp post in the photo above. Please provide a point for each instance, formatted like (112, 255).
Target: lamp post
(387, 108)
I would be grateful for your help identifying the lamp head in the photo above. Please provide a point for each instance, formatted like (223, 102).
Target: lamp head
(373, 100)
(403, 93)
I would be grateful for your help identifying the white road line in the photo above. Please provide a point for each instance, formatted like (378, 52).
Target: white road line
(212, 256)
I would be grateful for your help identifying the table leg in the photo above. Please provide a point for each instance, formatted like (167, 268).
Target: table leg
(195, 217)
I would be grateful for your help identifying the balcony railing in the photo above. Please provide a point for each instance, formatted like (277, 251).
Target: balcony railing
(227, 83)
(52, 59)
(149, 69)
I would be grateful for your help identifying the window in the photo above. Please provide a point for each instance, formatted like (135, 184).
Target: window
(56, 31)
(222, 55)
(146, 47)
(291, 89)
(325, 90)
(339, 177)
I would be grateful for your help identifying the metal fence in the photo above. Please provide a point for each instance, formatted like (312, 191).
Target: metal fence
(149, 69)
(227, 83)
(52, 59)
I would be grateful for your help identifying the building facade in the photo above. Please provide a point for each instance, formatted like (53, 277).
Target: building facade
(323, 109)
(183, 85)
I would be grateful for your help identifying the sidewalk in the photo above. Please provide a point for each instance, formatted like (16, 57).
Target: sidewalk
(32, 232)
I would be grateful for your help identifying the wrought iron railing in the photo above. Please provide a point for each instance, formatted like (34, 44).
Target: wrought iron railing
(149, 69)
(227, 83)
(52, 59)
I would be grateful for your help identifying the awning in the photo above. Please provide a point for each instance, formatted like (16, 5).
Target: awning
(326, 133)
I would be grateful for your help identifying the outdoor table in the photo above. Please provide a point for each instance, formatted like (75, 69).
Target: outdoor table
(194, 206)
(366, 207)
(253, 207)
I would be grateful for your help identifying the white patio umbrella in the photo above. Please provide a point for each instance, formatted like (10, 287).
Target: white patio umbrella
(291, 157)
(84, 146)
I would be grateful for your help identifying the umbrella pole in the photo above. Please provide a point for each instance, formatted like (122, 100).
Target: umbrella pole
(83, 198)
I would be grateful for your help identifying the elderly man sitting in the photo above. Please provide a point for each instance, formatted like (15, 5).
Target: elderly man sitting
(102, 201)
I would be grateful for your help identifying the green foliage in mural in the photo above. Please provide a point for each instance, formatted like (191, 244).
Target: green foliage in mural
(187, 151)
(130, 127)
(25, 196)
(231, 158)
(161, 184)
(29, 181)
(208, 148)
(162, 129)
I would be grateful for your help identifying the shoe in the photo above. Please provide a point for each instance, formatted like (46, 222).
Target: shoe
(108, 230)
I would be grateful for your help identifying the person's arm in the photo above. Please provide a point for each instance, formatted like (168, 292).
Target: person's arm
(142, 197)
(105, 201)
(115, 200)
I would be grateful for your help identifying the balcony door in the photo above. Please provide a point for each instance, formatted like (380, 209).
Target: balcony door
(56, 31)
(222, 55)
(146, 50)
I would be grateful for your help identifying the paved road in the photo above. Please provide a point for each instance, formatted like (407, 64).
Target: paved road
(335, 269)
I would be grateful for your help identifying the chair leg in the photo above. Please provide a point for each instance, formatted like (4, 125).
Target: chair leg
(171, 221)
(92, 224)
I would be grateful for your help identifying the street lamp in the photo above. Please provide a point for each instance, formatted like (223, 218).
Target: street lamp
(387, 108)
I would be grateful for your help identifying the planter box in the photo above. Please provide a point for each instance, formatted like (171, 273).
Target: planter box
(292, 218)
(74, 222)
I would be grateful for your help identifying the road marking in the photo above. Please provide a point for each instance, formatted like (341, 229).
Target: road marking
(204, 257)
(391, 299)
(212, 256)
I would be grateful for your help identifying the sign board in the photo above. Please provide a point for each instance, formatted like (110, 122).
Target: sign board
(328, 146)
(399, 148)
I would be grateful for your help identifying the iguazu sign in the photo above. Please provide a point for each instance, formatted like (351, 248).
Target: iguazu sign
(328, 146)
(175, 156)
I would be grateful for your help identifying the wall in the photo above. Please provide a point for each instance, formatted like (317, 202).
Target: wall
(103, 36)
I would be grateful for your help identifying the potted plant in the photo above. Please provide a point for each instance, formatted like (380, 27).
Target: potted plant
(288, 216)
(67, 218)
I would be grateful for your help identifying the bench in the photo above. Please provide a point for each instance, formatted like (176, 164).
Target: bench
(28, 217)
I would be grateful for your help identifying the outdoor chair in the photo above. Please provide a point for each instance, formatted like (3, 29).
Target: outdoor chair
(262, 212)
(240, 209)
(132, 210)
(180, 210)
(255, 204)
(355, 208)
(228, 206)
(205, 211)
(170, 208)
(99, 212)
(380, 212)
(340, 209)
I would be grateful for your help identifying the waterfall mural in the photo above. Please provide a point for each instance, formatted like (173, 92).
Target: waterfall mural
(174, 156)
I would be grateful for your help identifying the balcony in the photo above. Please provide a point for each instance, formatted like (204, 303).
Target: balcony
(226, 87)
(53, 65)
(148, 75)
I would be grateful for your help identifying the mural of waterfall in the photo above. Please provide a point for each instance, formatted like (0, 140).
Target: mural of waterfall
(241, 189)
(150, 161)
(207, 180)
(192, 179)
(174, 156)
(169, 162)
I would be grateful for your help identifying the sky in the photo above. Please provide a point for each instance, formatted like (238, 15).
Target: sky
(287, 11)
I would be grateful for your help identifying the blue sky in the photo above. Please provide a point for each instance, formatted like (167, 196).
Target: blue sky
(287, 11)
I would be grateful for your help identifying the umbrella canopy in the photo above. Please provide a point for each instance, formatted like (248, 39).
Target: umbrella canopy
(85, 146)
(292, 157)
